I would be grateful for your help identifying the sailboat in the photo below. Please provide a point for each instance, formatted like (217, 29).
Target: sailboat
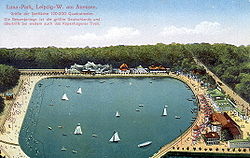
(164, 112)
(115, 137)
(144, 144)
(78, 130)
(63, 149)
(79, 91)
(64, 97)
(117, 114)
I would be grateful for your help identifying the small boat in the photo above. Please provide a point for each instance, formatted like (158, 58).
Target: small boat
(177, 117)
(64, 97)
(138, 110)
(68, 86)
(79, 91)
(164, 112)
(74, 151)
(166, 106)
(64, 134)
(60, 126)
(150, 81)
(63, 149)
(78, 130)
(115, 137)
(50, 128)
(102, 81)
(144, 144)
(117, 114)
(51, 105)
(94, 135)
(141, 105)
(190, 99)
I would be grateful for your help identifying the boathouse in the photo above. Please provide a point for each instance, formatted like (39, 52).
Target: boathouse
(89, 68)
(157, 69)
(124, 69)
(139, 70)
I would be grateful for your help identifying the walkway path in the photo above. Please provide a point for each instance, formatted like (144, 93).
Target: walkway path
(243, 105)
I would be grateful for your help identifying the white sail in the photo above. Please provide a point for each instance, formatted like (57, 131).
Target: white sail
(164, 112)
(79, 91)
(117, 114)
(115, 137)
(64, 97)
(78, 130)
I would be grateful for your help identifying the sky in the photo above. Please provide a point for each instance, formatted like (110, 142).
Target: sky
(132, 22)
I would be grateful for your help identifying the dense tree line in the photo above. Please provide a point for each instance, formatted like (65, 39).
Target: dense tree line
(9, 77)
(229, 62)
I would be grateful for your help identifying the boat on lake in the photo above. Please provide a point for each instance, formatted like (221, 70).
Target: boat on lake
(94, 135)
(144, 144)
(63, 149)
(115, 137)
(164, 112)
(141, 105)
(177, 117)
(117, 114)
(78, 130)
(79, 91)
(64, 97)
(74, 151)
(50, 128)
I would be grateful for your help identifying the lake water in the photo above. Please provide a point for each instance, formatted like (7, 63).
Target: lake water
(95, 110)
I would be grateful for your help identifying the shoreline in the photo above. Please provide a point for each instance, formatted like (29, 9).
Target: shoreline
(21, 102)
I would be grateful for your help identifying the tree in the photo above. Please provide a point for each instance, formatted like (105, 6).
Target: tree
(9, 77)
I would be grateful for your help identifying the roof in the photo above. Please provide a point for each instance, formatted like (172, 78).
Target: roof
(215, 123)
(219, 117)
(212, 135)
(216, 93)
(239, 140)
(124, 66)
(195, 127)
(153, 67)
(227, 123)
(8, 94)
